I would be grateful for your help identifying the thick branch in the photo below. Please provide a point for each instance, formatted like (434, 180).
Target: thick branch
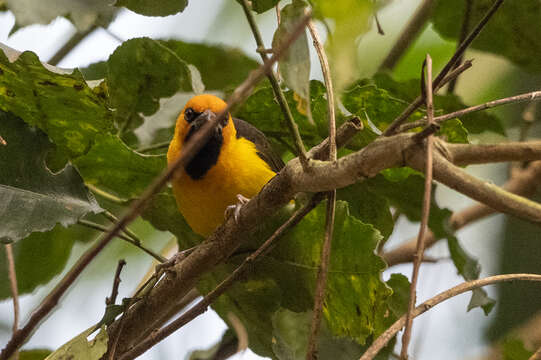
(384, 338)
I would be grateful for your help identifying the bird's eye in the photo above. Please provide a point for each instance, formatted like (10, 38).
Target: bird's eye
(190, 114)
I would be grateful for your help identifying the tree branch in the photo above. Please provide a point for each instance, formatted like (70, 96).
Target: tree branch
(383, 153)
(189, 150)
(202, 305)
(425, 210)
(134, 242)
(74, 40)
(463, 33)
(384, 338)
(530, 96)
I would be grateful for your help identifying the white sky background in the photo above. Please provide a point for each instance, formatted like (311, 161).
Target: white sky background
(447, 332)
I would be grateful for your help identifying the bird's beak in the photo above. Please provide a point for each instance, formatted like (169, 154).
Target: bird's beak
(201, 120)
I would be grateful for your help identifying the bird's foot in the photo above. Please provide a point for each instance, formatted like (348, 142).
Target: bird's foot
(234, 210)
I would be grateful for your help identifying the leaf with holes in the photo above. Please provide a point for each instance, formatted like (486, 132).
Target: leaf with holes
(60, 104)
(33, 198)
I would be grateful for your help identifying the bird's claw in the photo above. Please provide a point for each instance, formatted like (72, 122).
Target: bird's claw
(235, 209)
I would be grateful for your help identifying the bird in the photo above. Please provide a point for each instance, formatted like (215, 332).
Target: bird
(231, 167)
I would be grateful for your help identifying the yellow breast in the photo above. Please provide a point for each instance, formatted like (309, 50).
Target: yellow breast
(238, 170)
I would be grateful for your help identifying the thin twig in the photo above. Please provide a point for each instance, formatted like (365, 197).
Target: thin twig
(384, 338)
(523, 182)
(70, 45)
(14, 290)
(190, 148)
(280, 97)
(321, 281)
(450, 64)
(425, 212)
(99, 227)
(529, 96)
(203, 304)
(111, 300)
(408, 35)
(463, 33)
(113, 219)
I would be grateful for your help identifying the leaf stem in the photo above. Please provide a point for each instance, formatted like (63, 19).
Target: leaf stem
(134, 242)
(157, 146)
(104, 194)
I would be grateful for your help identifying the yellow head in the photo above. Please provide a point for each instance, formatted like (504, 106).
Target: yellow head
(197, 110)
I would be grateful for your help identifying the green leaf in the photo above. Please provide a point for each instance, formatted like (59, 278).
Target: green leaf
(221, 67)
(83, 14)
(135, 82)
(382, 99)
(34, 354)
(33, 198)
(513, 349)
(62, 105)
(227, 345)
(351, 19)
(260, 6)
(406, 194)
(378, 105)
(112, 166)
(154, 8)
(453, 131)
(469, 268)
(81, 349)
(290, 334)
(295, 64)
(285, 279)
(511, 32)
(262, 110)
(368, 207)
(39, 257)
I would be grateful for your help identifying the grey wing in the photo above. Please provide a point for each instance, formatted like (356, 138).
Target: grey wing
(263, 146)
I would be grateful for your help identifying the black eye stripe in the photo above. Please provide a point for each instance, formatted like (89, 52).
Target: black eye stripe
(190, 114)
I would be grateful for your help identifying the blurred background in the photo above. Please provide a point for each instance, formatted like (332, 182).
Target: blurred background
(448, 331)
